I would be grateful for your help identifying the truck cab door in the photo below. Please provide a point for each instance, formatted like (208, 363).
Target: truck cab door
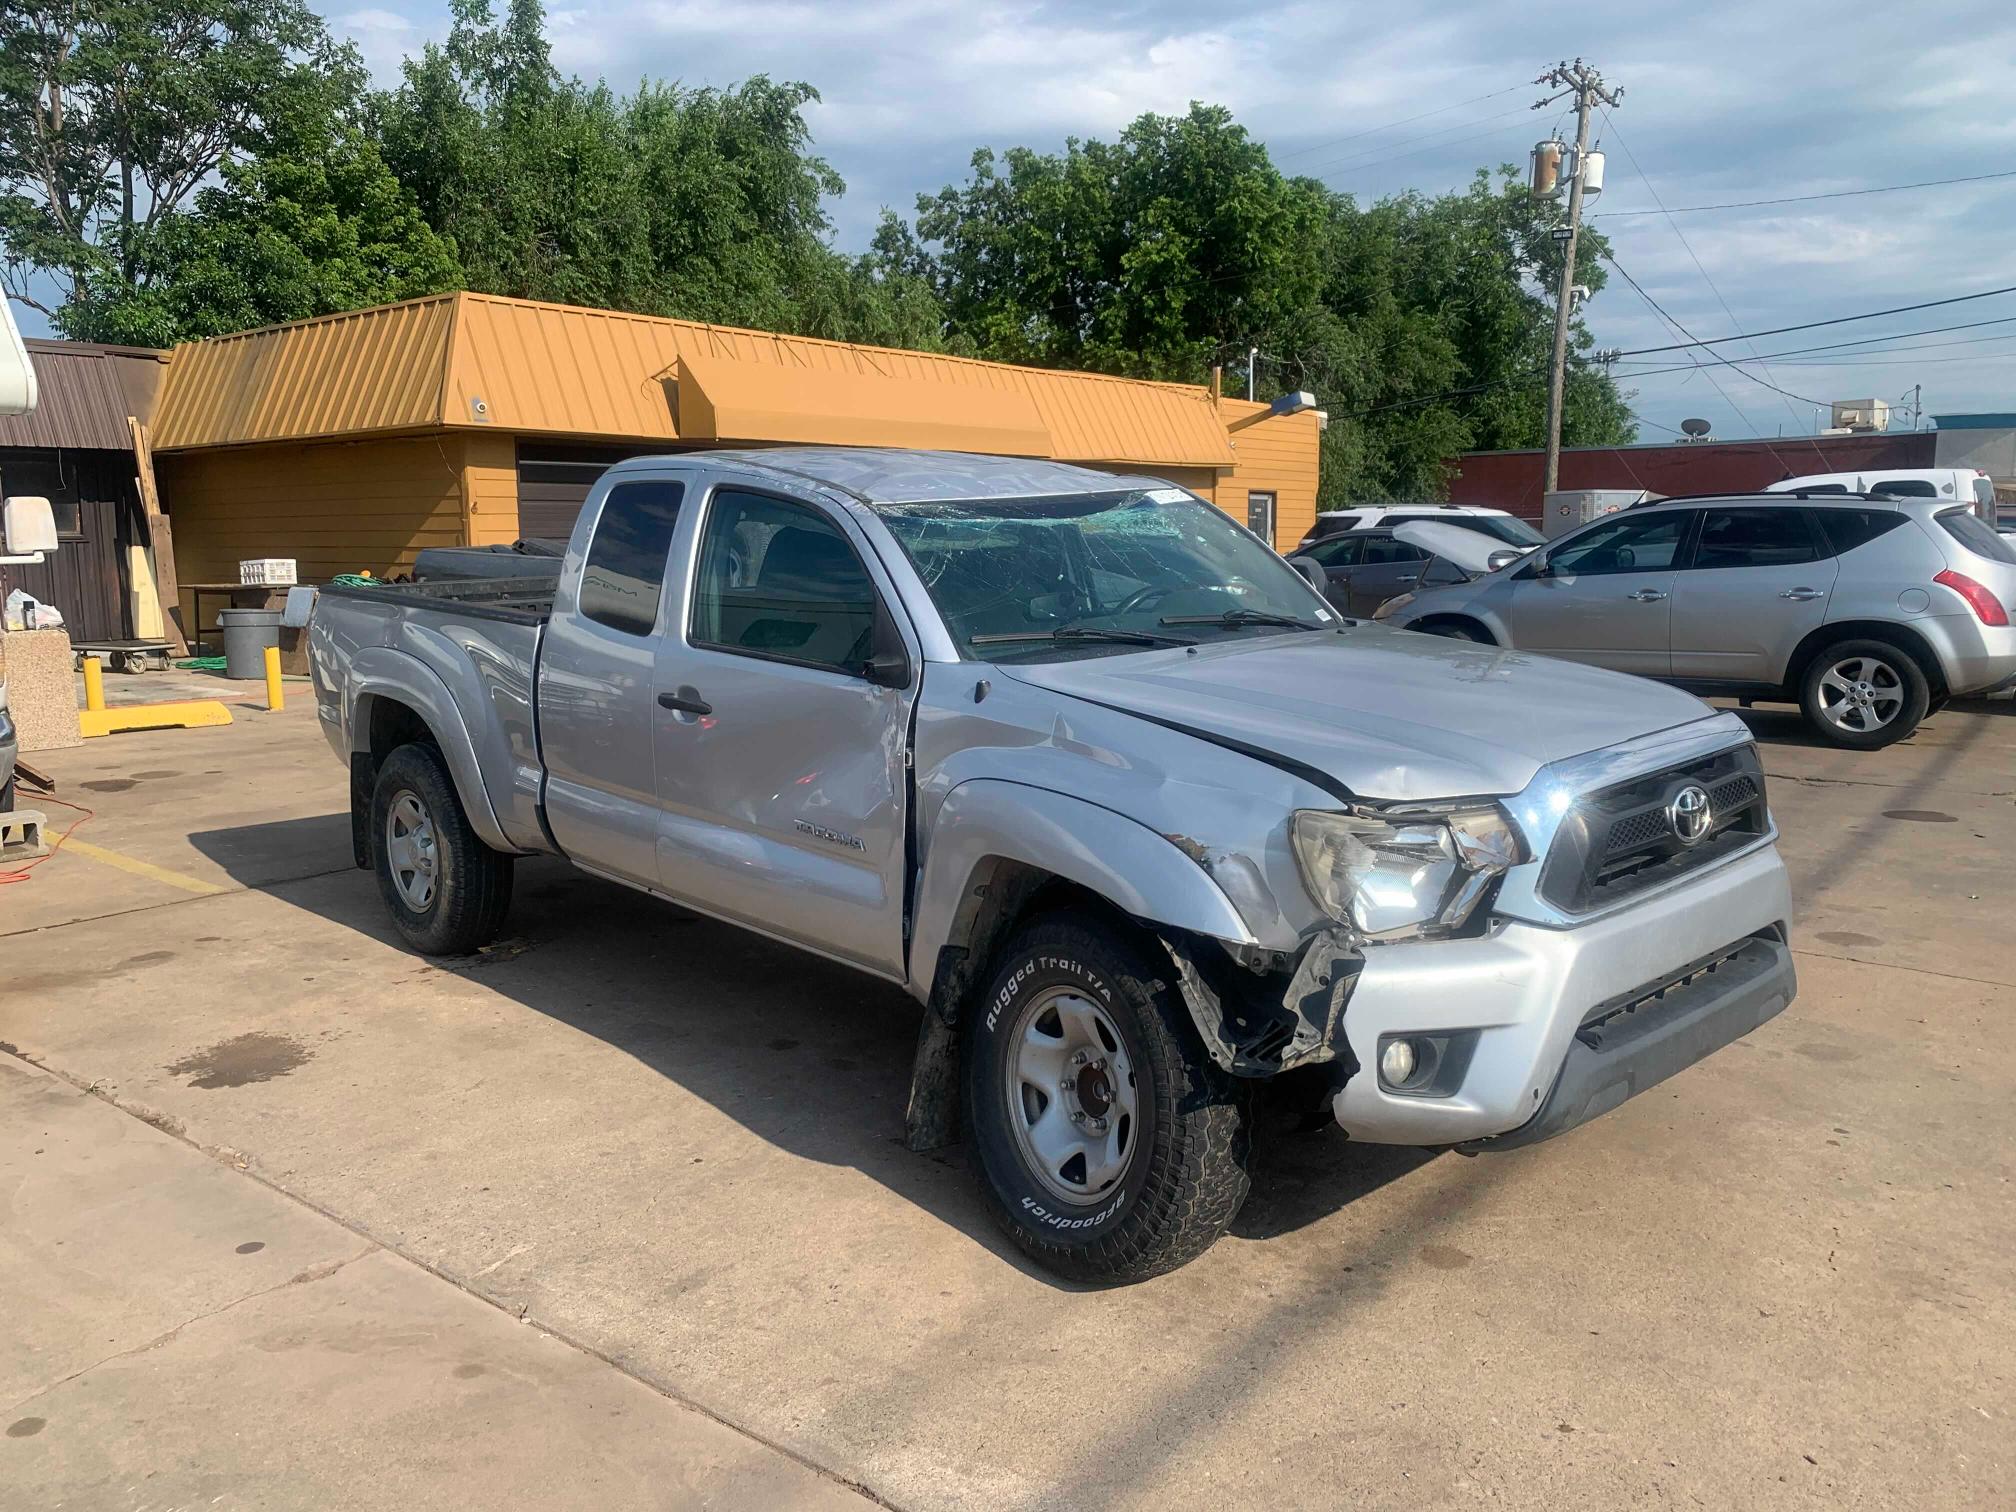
(784, 694)
(1604, 595)
(597, 678)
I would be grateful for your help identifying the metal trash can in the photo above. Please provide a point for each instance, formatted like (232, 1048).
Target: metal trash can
(247, 634)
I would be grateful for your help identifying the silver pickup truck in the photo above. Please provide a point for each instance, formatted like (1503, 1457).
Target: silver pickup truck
(1107, 786)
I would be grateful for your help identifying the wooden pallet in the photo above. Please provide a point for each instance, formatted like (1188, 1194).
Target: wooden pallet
(21, 833)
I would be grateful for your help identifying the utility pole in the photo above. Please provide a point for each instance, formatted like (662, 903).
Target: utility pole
(1579, 79)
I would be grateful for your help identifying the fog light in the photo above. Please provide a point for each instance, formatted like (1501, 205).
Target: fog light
(1396, 1062)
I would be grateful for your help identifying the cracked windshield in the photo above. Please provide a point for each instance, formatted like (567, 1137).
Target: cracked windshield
(1046, 578)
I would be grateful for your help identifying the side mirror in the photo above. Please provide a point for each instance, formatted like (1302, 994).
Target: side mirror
(1499, 560)
(27, 528)
(888, 664)
(1311, 569)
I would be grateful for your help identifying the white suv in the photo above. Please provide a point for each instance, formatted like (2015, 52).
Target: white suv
(1495, 523)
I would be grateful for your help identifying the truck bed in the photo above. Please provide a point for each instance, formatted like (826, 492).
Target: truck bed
(514, 600)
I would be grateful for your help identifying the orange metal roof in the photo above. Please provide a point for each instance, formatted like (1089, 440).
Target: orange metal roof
(516, 365)
(342, 375)
(725, 400)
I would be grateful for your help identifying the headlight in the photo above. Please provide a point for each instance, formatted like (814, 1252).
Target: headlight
(1392, 606)
(1399, 874)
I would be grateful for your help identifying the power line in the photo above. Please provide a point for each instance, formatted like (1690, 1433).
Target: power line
(1396, 125)
(1357, 162)
(1807, 199)
(1689, 334)
(1734, 324)
(1814, 325)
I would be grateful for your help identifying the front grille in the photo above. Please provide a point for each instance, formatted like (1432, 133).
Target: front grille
(1620, 840)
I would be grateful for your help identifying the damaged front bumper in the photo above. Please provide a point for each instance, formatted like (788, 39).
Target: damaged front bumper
(1530, 1030)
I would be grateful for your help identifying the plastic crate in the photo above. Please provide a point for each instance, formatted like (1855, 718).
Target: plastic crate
(268, 572)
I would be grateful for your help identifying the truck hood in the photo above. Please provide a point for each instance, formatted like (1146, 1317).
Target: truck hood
(1386, 714)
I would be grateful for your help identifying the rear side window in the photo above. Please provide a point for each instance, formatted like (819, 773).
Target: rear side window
(1773, 537)
(1826, 488)
(1846, 529)
(1976, 535)
(1330, 524)
(1338, 551)
(1380, 550)
(1905, 488)
(779, 580)
(625, 572)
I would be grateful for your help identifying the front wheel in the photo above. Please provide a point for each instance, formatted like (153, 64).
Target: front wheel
(447, 891)
(1863, 694)
(1456, 630)
(1109, 1147)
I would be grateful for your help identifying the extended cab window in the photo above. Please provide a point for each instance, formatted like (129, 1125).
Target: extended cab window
(625, 572)
(779, 580)
(1638, 543)
(1776, 536)
(1905, 488)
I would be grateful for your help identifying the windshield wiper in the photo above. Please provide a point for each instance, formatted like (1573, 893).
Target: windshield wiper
(1082, 633)
(1235, 617)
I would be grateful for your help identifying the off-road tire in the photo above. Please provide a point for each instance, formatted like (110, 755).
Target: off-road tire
(1916, 691)
(1187, 1177)
(472, 886)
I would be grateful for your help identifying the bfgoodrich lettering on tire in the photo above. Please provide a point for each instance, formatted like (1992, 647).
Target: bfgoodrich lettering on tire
(1109, 1147)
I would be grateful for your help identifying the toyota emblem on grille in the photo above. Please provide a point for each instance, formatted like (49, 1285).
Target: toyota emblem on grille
(1689, 815)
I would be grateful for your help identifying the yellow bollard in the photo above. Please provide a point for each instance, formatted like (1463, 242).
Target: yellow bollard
(94, 685)
(275, 699)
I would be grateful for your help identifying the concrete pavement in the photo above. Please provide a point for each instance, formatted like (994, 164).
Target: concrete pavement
(1779, 1280)
(182, 1335)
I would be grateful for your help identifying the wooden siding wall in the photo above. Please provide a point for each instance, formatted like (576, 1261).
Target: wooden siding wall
(490, 488)
(334, 507)
(85, 577)
(1280, 457)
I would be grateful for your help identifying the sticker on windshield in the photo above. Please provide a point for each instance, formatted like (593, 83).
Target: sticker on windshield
(1324, 615)
(1168, 496)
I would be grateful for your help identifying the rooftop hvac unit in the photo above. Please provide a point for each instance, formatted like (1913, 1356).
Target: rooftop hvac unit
(1861, 414)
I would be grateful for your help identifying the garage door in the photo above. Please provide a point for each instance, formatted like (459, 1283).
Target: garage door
(553, 483)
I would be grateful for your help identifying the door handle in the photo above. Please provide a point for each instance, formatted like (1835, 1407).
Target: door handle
(1802, 595)
(684, 705)
(1646, 596)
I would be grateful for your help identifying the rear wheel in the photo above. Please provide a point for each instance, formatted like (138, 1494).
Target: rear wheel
(447, 891)
(1109, 1147)
(1863, 694)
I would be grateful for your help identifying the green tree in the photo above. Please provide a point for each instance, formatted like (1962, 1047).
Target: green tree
(706, 204)
(311, 231)
(113, 115)
(1150, 256)
(1421, 323)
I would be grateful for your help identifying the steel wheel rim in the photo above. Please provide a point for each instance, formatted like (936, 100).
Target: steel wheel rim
(411, 853)
(1073, 1104)
(1861, 694)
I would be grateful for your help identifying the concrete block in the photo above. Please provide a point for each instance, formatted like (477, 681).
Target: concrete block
(41, 676)
(21, 833)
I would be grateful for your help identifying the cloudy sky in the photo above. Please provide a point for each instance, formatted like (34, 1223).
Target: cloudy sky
(1765, 99)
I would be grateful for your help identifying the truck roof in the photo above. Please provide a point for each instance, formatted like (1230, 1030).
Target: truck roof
(885, 475)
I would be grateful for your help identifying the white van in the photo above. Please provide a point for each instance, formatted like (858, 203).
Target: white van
(1965, 485)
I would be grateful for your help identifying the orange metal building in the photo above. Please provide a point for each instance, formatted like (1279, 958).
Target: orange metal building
(352, 441)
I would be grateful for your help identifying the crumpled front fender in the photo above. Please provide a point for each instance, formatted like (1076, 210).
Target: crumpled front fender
(1124, 862)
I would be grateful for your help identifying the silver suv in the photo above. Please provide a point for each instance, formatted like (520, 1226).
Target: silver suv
(1868, 612)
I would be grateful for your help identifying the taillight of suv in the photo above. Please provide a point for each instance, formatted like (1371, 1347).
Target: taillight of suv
(1987, 608)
